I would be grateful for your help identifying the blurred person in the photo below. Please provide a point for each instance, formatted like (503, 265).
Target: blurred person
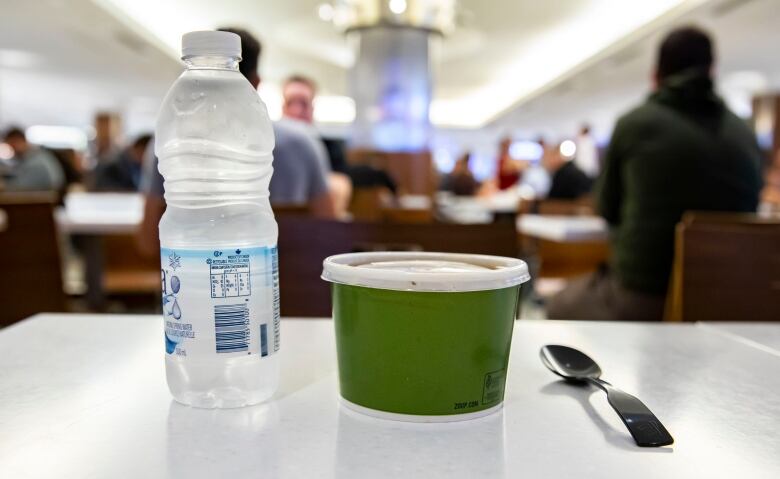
(297, 178)
(509, 171)
(536, 180)
(123, 173)
(103, 148)
(587, 156)
(361, 176)
(460, 180)
(70, 162)
(681, 150)
(31, 168)
(298, 93)
(337, 154)
(567, 180)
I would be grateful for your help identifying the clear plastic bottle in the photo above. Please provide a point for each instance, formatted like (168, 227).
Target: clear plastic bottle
(218, 236)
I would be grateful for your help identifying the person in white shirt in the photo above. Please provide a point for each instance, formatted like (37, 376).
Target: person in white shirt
(587, 155)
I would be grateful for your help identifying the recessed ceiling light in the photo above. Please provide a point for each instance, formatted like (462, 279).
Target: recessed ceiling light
(568, 149)
(325, 12)
(397, 6)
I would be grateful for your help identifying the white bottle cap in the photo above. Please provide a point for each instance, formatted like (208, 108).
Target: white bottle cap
(210, 43)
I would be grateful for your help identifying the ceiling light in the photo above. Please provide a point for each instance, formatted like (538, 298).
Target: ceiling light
(334, 109)
(325, 12)
(397, 6)
(568, 149)
(57, 136)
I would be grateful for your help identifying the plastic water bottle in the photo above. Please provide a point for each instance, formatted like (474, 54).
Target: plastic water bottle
(220, 292)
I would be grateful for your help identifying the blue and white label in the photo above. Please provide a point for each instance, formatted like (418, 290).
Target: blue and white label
(220, 301)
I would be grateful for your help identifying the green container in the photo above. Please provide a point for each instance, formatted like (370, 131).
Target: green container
(424, 336)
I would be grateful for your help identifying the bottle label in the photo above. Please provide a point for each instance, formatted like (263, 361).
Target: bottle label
(220, 301)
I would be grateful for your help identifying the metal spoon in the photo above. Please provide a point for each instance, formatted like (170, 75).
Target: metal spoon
(574, 365)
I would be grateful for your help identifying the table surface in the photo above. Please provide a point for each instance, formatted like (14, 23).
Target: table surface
(100, 213)
(477, 209)
(564, 229)
(760, 335)
(84, 396)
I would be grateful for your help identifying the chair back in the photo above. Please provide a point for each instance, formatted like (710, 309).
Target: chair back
(31, 278)
(579, 207)
(305, 242)
(367, 204)
(726, 268)
(125, 269)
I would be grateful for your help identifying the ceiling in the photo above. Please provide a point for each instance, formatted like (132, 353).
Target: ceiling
(522, 66)
(747, 64)
(501, 52)
(59, 67)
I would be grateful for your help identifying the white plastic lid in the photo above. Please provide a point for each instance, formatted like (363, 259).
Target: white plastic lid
(404, 271)
(210, 43)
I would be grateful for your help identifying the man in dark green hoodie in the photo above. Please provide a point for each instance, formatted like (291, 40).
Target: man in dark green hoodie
(681, 150)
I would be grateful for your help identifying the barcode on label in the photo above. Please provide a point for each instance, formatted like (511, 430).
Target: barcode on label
(275, 272)
(231, 327)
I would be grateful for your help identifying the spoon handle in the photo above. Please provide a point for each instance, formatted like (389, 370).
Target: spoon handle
(646, 429)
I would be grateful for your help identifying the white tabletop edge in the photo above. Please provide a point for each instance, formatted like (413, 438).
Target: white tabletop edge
(711, 328)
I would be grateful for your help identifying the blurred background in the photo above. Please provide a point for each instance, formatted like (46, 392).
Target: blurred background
(447, 125)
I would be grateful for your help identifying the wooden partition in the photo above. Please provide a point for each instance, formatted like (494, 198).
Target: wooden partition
(304, 243)
(726, 268)
(31, 277)
(126, 270)
(412, 172)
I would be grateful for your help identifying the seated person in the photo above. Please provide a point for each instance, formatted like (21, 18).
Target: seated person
(31, 168)
(337, 155)
(298, 113)
(298, 177)
(123, 173)
(567, 181)
(362, 176)
(681, 150)
(509, 171)
(460, 180)
(71, 163)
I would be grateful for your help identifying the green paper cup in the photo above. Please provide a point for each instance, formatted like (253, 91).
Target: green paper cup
(424, 337)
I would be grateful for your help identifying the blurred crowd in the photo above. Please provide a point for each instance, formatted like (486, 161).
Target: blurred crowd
(681, 149)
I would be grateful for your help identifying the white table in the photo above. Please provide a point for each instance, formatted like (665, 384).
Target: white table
(93, 215)
(85, 397)
(100, 213)
(564, 229)
(477, 209)
(761, 335)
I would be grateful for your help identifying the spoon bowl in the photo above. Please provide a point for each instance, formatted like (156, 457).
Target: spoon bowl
(575, 366)
(569, 363)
